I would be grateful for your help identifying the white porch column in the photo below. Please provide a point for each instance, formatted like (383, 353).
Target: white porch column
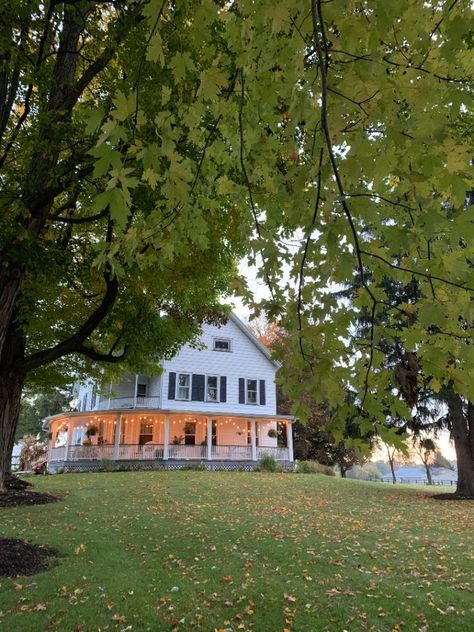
(167, 438)
(118, 423)
(289, 440)
(209, 439)
(253, 436)
(136, 388)
(68, 439)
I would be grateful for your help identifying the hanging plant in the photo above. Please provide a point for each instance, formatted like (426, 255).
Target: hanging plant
(272, 433)
(91, 431)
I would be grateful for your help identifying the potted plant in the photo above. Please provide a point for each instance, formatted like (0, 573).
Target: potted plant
(87, 441)
(272, 433)
(177, 440)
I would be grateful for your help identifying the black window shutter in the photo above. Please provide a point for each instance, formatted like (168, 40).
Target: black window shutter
(197, 391)
(223, 389)
(241, 390)
(172, 386)
(262, 393)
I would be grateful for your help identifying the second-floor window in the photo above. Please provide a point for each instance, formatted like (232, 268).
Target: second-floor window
(183, 386)
(212, 393)
(141, 390)
(251, 392)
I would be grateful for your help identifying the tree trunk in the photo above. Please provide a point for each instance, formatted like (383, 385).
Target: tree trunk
(343, 471)
(428, 474)
(11, 385)
(394, 478)
(462, 430)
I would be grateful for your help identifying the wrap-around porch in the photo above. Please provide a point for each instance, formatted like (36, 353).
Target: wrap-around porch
(167, 436)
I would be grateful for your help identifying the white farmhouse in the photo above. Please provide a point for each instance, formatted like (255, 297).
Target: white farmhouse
(214, 403)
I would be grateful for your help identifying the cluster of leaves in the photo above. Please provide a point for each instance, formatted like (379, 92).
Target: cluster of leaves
(36, 407)
(362, 162)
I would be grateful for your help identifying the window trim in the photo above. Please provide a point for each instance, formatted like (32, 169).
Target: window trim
(218, 338)
(176, 393)
(218, 384)
(257, 391)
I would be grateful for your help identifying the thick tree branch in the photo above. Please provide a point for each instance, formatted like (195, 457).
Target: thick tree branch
(75, 342)
(81, 220)
(92, 354)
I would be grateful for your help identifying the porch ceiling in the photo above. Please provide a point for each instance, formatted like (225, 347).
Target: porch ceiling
(160, 411)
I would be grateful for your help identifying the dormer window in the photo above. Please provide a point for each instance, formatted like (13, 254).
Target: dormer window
(222, 344)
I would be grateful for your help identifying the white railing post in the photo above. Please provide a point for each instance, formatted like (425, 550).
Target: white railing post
(118, 422)
(209, 439)
(68, 439)
(166, 444)
(289, 440)
(253, 436)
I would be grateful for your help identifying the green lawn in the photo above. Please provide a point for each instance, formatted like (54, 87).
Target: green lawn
(241, 551)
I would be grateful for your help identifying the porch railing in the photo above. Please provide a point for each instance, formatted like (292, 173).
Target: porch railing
(232, 452)
(187, 452)
(155, 451)
(106, 403)
(280, 454)
(56, 454)
(99, 452)
(141, 452)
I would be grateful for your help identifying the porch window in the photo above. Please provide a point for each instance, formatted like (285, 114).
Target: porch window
(249, 433)
(252, 392)
(146, 433)
(214, 432)
(282, 437)
(190, 433)
(100, 436)
(184, 386)
(78, 436)
(211, 388)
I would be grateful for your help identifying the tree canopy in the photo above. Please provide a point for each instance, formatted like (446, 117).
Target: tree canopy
(145, 145)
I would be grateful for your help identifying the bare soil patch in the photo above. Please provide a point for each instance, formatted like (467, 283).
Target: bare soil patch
(18, 494)
(22, 558)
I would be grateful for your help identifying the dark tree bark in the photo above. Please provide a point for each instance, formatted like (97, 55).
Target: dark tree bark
(11, 386)
(392, 469)
(40, 189)
(462, 431)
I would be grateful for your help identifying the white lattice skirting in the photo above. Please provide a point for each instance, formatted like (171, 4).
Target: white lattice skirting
(56, 467)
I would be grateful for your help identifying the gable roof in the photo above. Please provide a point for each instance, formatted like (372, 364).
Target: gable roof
(253, 339)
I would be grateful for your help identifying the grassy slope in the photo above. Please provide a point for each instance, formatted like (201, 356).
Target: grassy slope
(205, 551)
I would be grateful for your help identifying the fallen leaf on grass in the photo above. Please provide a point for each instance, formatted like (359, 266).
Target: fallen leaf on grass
(120, 618)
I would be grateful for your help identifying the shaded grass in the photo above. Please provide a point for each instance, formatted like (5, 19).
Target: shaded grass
(241, 551)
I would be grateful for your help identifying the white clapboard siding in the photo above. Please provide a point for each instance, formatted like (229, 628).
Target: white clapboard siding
(247, 359)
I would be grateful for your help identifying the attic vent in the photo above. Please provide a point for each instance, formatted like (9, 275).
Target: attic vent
(221, 344)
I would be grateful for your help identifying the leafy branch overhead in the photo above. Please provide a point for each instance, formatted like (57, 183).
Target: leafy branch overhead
(146, 146)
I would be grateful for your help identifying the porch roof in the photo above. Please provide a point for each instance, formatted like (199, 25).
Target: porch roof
(160, 411)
